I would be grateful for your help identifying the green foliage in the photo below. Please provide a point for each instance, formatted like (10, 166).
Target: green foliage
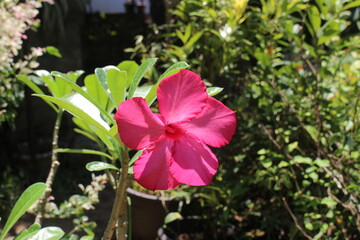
(93, 105)
(291, 70)
(27, 198)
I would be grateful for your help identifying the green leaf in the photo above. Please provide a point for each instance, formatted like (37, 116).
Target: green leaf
(176, 67)
(102, 75)
(83, 151)
(27, 233)
(314, 17)
(116, 80)
(142, 91)
(81, 91)
(193, 40)
(27, 198)
(314, 176)
(262, 151)
(48, 233)
(95, 90)
(87, 237)
(330, 29)
(83, 125)
(352, 4)
(291, 146)
(113, 130)
(86, 134)
(53, 51)
(99, 166)
(35, 88)
(130, 67)
(212, 91)
(324, 9)
(184, 37)
(266, 162)
(302, 160)
(309, 226)
(313, 132)
(172, 216)
(144, 67)
(322, 162)
(135, 157)
(104, 137)
(49, 81)
(173, 69)
(329, 202)
(283, 164)
(76, 111)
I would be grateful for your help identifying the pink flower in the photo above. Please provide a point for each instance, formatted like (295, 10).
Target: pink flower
(176, 139)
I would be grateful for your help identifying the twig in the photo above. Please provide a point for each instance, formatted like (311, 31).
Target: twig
(298, 226)
(118, 213)
(53, 169)
(280, 148)
(351, 206)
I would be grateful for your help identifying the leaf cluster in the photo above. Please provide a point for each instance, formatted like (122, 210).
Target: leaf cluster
(291, 70)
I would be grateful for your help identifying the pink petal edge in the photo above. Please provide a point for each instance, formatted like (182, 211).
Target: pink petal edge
(181, 96)
(193, 162)
(137, 125)
(215, 125)
(151, 170)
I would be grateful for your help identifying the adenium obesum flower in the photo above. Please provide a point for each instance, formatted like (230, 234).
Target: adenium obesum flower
(175, 139)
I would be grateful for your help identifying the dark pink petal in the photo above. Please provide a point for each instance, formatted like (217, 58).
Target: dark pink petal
(137, 125)
(181, 96)
(215, 125)
(151, 170)
(193, 162)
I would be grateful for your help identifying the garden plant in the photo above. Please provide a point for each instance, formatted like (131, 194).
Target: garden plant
(286, 78)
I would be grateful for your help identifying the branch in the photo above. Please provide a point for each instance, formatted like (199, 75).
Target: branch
(298, 226)
(53, 169)
(118, 213)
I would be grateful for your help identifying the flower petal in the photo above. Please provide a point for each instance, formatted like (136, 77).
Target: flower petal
(193, 162)
(215, 125)
(181, 96)
(151, 170)
(137, 125)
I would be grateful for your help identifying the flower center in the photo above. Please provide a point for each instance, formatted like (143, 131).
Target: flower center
(173, 131)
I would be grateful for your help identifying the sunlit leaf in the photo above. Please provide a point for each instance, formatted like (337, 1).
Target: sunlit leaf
(48, 233)
(81, 91)
(94, 89)
(130, 67)
(313, 132)
(78, 112)
(135, 157)
(83, 151)
(35, 88)
(172, 216)
(27, 198)
(99, 166)
(27, 233)
(314, 17)
(53, 51)
(144, 68)
(212, 91)
(116, 81)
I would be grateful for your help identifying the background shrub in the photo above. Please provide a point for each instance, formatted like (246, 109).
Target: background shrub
(291, 70)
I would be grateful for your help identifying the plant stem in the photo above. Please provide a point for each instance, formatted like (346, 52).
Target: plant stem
(118, 213)
(298, 226)
(53, 169)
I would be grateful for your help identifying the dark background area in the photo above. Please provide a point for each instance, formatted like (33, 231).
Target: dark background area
(86, 41)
